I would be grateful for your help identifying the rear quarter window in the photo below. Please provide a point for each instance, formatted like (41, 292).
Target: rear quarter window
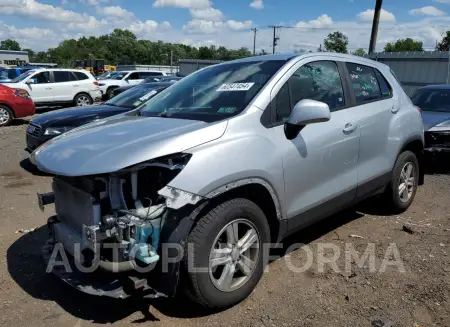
(81, 76)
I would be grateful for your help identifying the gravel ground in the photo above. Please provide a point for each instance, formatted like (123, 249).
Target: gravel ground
(418, 296)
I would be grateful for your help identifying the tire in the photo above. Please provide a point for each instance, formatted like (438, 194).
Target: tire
(110, 93)
(203, 287)
(82, 99)
(6, 116)
(397, 202)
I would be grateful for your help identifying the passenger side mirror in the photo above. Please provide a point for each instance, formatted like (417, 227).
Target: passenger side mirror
(306, 112)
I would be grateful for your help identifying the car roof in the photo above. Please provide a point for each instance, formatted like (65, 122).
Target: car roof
(289, 56)
(436, 86)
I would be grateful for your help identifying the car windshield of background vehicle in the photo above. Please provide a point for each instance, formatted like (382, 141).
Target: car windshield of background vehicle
(432, 99)
(133, 97)
(118, 76)
(215, 93)
(20, 78)
(4, 74)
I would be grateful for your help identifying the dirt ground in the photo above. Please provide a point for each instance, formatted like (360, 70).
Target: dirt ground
(418, 296)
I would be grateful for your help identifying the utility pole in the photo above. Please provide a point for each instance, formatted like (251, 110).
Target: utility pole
(275, 38)
(376, 21)
(171, 60)
(255, 30)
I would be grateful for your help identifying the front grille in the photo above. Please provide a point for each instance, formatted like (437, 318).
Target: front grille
(73, 206)
(34, 130)
(437, 139)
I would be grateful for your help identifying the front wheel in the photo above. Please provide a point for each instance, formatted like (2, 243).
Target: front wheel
(83, 100)
(225, 257)
(405, 179)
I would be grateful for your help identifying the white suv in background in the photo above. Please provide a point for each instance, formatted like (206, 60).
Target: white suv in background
(59, 86)
(124, 78)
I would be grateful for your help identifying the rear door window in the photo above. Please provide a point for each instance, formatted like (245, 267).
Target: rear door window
(63, 76)
(385, 87)
(364, 83)
(81, 76)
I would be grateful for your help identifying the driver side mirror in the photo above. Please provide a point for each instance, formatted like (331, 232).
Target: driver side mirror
(30, 81)
(306, 112)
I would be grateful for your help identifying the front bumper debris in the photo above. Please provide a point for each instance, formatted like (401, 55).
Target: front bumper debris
(100, 283)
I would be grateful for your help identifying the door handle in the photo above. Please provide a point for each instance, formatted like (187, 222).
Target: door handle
(48, 88)
(349, 128)
(75, 85)
(395, 109)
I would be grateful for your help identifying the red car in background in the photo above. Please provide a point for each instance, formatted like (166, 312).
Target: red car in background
(14, 103)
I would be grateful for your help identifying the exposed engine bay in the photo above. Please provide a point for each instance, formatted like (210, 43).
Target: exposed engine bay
(114, 220)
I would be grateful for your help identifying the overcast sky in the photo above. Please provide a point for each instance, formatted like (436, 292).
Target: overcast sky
(44, 23)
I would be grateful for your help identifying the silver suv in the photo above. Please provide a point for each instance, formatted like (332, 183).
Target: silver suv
(230, 158)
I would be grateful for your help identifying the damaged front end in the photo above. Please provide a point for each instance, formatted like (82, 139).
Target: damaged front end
(111, 224)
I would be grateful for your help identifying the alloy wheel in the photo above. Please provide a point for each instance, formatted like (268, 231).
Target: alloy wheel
(407, 182)
(234, 255)
(83, 100)
(4, 116)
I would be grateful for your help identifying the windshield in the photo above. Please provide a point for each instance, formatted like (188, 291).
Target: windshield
(22, 77)
(432, 99)
(215, 93)
(4, 74)
(118, 75)
(133, 97)
(106, 75)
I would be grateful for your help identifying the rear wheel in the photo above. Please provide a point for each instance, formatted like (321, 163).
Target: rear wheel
(6, 116)
(83, 99)
(405, 179)
(225, 254)
(110, 92)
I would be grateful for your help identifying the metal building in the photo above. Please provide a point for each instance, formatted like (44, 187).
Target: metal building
(18, 58)
(416, 69)
(188, 66)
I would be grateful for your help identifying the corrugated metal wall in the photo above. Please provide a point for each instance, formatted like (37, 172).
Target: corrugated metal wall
(188, 66)
(416, 69)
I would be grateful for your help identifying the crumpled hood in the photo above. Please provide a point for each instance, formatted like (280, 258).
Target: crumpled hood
(121, 141)
(433, 118)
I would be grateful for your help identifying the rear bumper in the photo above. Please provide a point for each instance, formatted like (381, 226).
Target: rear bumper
(23, 107)
(96, 95)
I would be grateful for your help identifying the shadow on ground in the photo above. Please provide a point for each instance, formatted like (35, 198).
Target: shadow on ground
(26, 267)
(19, 122)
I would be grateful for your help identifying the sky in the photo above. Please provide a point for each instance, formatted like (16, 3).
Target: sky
(41, 24)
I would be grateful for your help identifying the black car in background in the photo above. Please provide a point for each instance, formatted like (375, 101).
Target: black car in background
(149, 80)
(51, 124)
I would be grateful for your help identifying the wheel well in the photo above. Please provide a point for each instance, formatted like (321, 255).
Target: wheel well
(112, 87)
(256, 193)
(416, 147)
(8, 107)
(85, 93)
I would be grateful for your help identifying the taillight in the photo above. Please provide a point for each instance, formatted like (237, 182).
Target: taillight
(22, 93)
(96, 84)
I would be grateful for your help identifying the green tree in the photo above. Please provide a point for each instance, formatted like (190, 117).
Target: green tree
(9, 44)
(336, 42)
(359, 52)
(444, 45)
(404, 45)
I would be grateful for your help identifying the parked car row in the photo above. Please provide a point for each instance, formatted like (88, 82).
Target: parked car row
(233, 157)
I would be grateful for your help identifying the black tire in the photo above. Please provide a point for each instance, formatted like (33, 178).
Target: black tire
(110, 92)
(79, 97)
(392, 196)
(7, 115)
(198, 285)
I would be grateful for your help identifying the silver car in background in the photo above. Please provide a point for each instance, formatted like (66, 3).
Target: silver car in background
(434, 101)
(231, 157)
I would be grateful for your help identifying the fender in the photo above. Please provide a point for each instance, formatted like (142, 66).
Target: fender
(420, 158)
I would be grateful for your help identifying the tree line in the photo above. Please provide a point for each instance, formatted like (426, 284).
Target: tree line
(123, 47)
(338, 42)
